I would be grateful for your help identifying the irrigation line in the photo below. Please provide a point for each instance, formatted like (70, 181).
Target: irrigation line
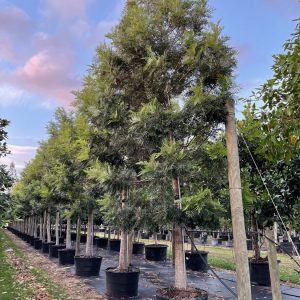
(208, 266)
(269, 194)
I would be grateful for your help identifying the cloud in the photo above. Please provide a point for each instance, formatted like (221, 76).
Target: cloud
(14, 96)
(20, 155)
(67, 10)
(287, 7)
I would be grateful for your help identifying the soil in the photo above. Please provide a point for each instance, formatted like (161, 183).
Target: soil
(179, 294)
(74, 287)
(259, 260)
(129, 270)
(156, 245)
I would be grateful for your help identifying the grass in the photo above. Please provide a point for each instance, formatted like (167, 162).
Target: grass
(54, 290)
(10, 288)
(223, 258)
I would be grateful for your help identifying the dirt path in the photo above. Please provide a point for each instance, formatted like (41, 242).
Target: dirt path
(72, 286)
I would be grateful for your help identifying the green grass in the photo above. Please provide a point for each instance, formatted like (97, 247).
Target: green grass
(54, 290)
(10, 288)
(223, 258)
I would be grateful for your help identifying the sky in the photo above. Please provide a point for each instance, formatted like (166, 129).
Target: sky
(46, 47)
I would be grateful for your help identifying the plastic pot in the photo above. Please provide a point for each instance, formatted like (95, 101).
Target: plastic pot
(45, 247)
(249, 244)
(38, 244)
(156, 252)
(215, 242)
(53, 250)
(83, 238)
(138, 248)
(60, 239)
(102, 242)
(73, 236)
(66, 256)
(122, 284)
(32, 241)
(87, 266)
(259, 273)
(161, 294)
(115, 244)
(287, 247)
(194, 261)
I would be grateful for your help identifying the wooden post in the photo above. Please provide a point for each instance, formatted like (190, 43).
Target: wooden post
(236, 205)
(273, 265)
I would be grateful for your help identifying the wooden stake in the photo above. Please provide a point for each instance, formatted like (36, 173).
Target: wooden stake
(273, 265)
(236, 205)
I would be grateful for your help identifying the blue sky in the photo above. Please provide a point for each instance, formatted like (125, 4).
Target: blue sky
(47, 45)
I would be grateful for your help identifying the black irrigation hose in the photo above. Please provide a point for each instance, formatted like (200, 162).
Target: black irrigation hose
(209, 267)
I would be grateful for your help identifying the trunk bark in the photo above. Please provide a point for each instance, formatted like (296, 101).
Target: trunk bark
(68, 233)
(78, 235)
(48, 227)
(89, 238)
(273, 265)
(130, 246)
(255, 241)
(44, 226)
(236, 205)
(41, 228)
(123, 258)
(108, 238)
(56, 228)
(180, 270)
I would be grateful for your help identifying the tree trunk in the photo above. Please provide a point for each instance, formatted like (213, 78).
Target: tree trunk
(236, 205)
(155, 238)
(48, 227)
(108, 238)
(273, 265)
(255, 241)
(78, 236)
(180, 270)
(56, 228)
(68, 232)
(123, 258)
(44, 226)
(193, 248)
(130, 246)
(35, 234)
(41, 228)
(89, 238)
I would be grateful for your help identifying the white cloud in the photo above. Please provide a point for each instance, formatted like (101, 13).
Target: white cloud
(19, 155)
(12, 96)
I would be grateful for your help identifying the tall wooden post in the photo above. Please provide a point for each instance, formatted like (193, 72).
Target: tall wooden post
(236, 205)
(273, 265)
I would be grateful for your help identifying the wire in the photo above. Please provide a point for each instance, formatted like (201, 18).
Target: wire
(269, 194)
(208, 266)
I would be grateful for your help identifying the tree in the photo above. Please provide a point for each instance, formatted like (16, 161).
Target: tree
(280, 97)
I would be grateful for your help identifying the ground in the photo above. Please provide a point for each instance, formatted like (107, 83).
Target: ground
(27, 274)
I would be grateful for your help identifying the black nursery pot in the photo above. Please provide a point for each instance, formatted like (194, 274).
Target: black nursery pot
(102, 242)
(45, 247)
(87, 266)
(32, 241)
(66, 256)
(259, 273)
(156, 252)
(195, 262)
(122, 284)
(249, 244)
(161, 295)
(138, 248)
(73, 236)
(115, 244)
(38, 244)
(83, 238)
(53, 250)
(287, 248)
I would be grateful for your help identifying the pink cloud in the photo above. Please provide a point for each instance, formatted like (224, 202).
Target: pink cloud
(67, 9)
(48, 75)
